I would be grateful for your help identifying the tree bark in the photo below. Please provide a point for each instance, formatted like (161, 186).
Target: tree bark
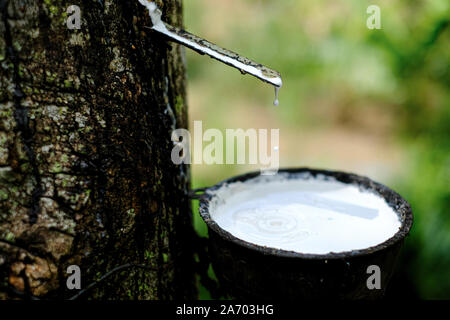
(86, 176)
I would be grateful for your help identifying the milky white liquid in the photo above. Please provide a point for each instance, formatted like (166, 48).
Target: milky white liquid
(276, 102)
(316, 216)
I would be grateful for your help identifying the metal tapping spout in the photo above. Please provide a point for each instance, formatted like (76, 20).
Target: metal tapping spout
(203, 46)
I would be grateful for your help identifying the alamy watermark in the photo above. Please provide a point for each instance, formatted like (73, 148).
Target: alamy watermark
(74, 280)
(74, 17)
(374, 281)
(374, 20)
(227, 149)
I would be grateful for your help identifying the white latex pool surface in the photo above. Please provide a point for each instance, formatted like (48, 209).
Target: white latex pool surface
(310, 215)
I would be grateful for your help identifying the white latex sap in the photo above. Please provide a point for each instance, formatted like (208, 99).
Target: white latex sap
(307, 215)
(276, 102)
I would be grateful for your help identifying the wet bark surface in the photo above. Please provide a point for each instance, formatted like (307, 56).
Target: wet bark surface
(85, 170)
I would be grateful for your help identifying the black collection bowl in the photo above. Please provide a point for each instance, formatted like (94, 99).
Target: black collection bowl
(249, 271)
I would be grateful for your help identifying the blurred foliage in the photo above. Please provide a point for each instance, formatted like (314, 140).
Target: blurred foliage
(374, 102)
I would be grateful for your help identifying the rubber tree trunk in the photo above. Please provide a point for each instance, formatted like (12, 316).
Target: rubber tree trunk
(86, 176)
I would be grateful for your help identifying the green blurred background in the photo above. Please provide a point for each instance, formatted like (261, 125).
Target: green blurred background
(372, 102)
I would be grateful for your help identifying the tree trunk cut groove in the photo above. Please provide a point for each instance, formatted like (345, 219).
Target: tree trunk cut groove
(86, 176)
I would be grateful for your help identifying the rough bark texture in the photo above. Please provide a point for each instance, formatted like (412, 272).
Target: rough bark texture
(85, 170)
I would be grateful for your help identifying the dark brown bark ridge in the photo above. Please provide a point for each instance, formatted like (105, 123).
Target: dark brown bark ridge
(85, 170)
